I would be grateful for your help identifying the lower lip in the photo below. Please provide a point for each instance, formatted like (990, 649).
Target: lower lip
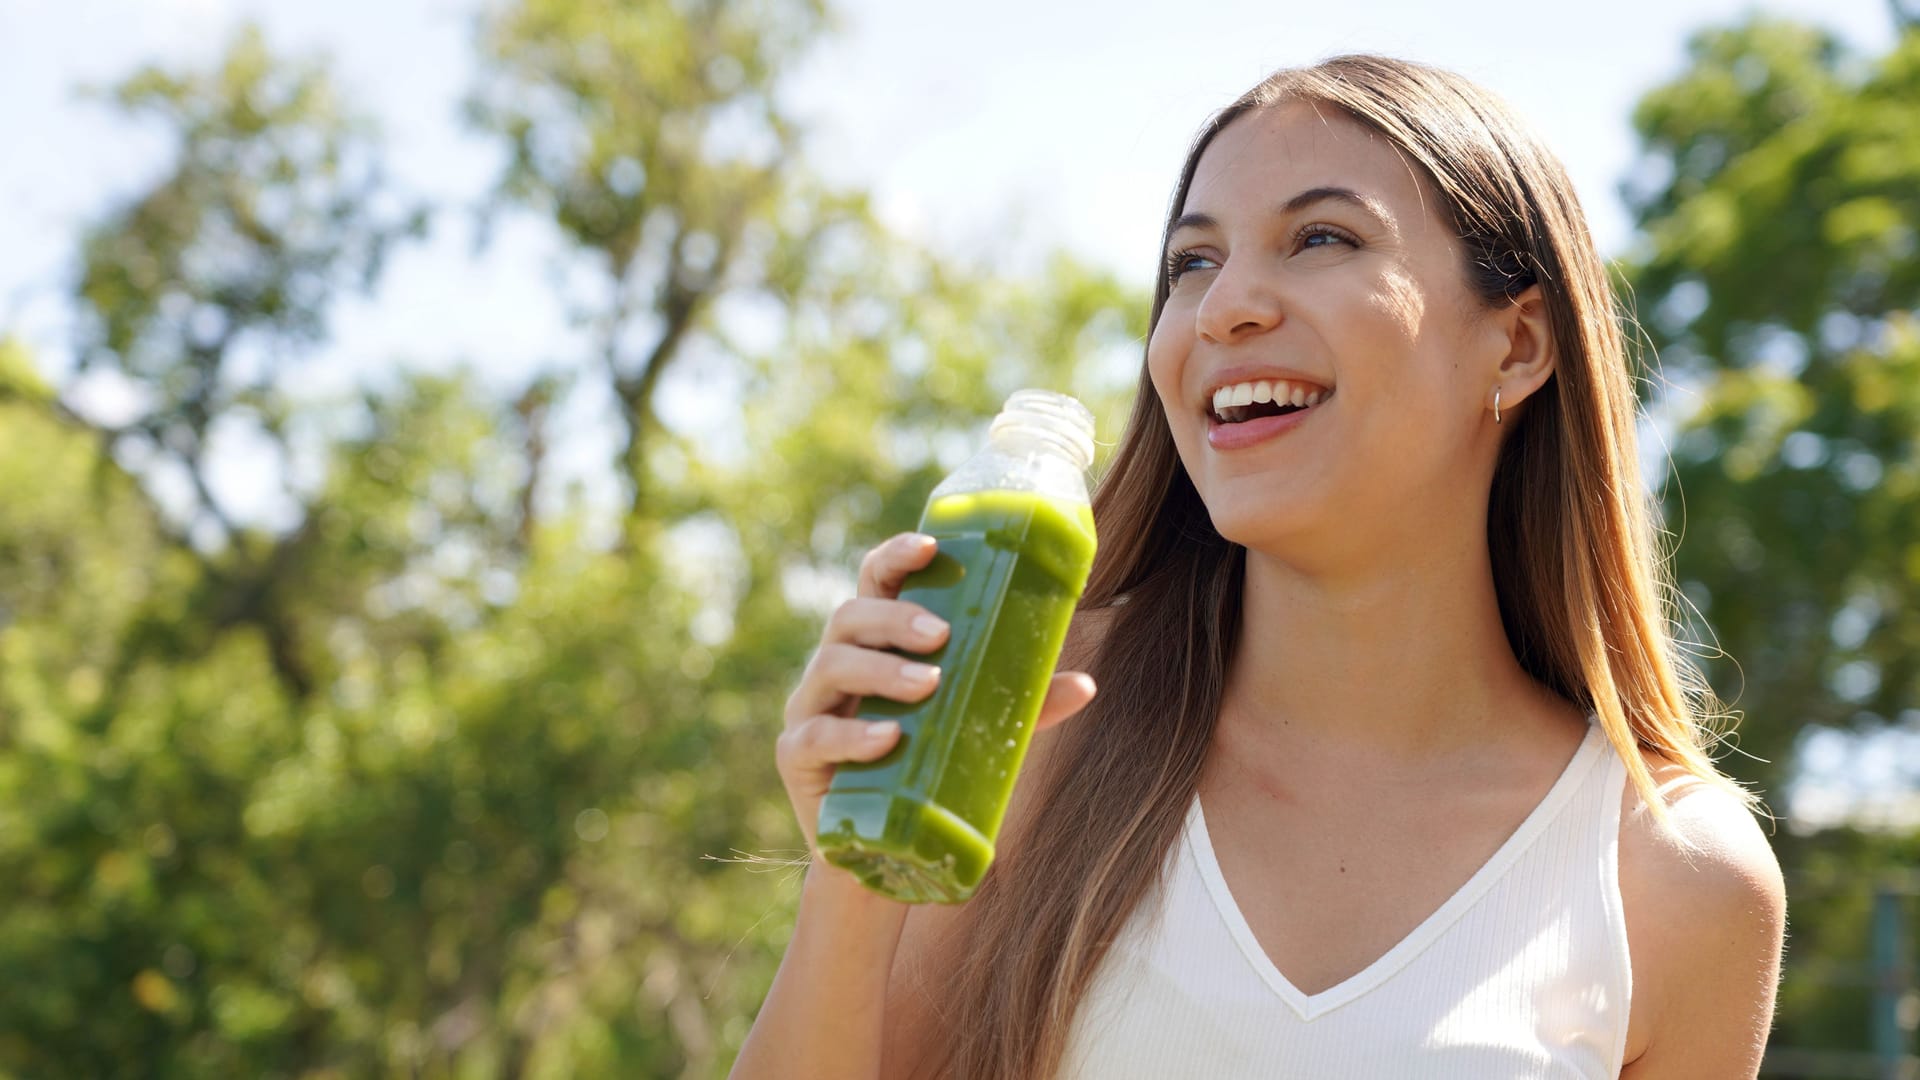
(1252, 432)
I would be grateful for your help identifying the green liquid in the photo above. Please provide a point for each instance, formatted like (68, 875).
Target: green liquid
(918, 825)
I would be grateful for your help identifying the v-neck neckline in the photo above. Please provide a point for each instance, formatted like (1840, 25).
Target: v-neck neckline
(1310, 1006)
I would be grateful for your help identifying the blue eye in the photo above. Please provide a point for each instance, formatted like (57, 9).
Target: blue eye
(1317, 235)
(1177, 264)
(1306, 237)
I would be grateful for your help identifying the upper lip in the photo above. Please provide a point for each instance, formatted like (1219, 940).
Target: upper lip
(1246, 373)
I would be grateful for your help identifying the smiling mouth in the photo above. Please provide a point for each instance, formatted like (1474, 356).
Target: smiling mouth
(1240, 414)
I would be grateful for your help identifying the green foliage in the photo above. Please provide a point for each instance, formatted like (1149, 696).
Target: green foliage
(649, 132)
(432, 782)
(1778, 273)
(1824, 1001)
(428, 783)
(635, 121)
(18, 379)
(203, 287)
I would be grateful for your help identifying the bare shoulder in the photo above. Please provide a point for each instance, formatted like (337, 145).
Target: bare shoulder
(1706, 918)
(933, 933)
(1715, 848)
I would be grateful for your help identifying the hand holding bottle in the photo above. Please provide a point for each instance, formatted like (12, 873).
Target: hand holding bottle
(1015, 539)
(821, 730)
(1015, 544)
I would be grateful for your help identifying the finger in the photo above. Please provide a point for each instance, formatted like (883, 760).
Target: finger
(841, 672)
(886, 624)
(807, 752)
(1068, 693)
(887, 565)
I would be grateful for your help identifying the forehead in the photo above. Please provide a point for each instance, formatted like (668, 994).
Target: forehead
(1268, 155)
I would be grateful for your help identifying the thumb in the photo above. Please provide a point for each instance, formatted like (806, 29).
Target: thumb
(1068, 693)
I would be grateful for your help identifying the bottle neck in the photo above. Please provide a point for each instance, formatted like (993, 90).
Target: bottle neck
(1041, 442)
(1043, 418)
(1025, 439)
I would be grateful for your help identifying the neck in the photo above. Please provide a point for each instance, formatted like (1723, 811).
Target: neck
(1401, 663)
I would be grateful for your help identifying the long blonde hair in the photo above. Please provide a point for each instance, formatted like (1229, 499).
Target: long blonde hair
(1582, 581)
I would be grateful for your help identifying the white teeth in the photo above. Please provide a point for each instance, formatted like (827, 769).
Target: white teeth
(1298, 395)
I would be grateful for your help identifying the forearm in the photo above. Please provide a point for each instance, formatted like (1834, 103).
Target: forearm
(824, 1015)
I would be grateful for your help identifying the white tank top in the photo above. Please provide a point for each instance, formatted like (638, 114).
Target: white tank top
(1523, 973)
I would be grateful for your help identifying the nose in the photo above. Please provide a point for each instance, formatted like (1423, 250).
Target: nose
(1236, 306)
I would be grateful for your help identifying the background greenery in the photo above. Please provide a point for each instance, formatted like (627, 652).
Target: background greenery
(434, 779)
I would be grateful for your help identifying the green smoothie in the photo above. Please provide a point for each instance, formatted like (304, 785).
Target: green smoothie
(919, 824)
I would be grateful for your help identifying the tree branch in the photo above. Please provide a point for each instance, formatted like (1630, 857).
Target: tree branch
(678, 305)
(682, 296)
(531, 408)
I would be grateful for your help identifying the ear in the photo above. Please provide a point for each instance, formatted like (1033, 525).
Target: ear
(1526, 333)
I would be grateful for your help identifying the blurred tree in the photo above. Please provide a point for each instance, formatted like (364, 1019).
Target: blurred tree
(204, 289)
(206, 286)
(1779, 274)
(650, 133)
(267, 816)
(421, 782)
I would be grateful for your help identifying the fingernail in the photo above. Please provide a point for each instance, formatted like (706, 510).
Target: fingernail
(880, 730)
(918, 673)
(928, 626)
(913, 541)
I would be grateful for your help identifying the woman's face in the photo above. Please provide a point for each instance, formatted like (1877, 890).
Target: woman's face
(1312, 261)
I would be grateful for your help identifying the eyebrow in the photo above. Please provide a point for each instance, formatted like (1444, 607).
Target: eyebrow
(1298, 202)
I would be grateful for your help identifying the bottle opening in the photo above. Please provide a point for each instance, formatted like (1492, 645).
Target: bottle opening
(1057, 418)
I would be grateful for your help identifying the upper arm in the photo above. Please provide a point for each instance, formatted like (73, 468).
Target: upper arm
(1717, 926)
(933, 934)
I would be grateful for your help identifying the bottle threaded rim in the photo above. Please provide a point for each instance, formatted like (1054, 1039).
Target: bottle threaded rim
(1059, 418)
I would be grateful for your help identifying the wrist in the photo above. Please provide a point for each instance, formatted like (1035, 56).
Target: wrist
(830, 884)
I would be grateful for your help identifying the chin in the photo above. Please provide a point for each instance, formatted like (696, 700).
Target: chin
(1266, 528)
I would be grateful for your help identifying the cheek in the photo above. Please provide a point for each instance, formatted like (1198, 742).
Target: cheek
(1425, 344)
(1401, 311)
(1165, 361)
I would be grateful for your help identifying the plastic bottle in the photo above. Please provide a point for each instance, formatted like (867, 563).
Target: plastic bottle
(1015, 534)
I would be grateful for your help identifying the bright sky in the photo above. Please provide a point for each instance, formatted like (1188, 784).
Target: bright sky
(995, 128)
(1002, 128)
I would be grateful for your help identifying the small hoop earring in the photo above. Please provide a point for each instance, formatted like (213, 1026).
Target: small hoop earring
(1496, 404)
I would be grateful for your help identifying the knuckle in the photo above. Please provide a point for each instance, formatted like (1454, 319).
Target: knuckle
(838, 660)
(796, 741)
(849, 614)
(822, 657)
(830, 661)
(795, 711)
(807, 675)
(814, 740)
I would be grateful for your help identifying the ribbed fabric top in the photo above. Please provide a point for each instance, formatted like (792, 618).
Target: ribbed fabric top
(1523, 973)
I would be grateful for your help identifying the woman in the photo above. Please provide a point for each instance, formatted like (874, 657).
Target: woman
(1395, 770)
